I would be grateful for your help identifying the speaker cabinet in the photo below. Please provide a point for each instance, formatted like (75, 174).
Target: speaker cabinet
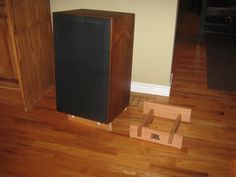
(93, 57)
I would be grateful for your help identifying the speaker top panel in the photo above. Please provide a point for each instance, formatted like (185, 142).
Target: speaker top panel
(94, 13)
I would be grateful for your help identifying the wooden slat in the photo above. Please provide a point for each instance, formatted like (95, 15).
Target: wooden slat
(174, 129)
(148, 119)
(156, 136)
(167, 111)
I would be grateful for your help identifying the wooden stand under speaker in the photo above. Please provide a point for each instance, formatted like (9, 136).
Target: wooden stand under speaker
(93, 52)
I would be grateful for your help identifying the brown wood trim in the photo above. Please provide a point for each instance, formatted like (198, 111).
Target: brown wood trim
(14, 51)
(9, 83)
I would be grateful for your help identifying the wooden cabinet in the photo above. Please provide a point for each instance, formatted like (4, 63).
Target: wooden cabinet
(93, 62)
(6, 62)
(26, 50)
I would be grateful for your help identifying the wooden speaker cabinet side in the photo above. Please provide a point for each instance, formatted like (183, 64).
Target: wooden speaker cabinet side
(120, 64)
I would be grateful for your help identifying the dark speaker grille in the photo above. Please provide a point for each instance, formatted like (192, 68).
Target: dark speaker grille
(82, 65)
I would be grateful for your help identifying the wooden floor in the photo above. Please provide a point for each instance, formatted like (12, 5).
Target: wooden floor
(44, 142)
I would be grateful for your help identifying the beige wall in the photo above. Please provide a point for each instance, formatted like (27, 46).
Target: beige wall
(154, 33)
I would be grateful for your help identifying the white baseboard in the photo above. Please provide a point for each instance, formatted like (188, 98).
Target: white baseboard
(150, 89)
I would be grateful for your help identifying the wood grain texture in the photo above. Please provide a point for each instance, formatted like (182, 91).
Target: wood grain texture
(148, 119)
(168, 111)
(157, 136)
(120, 63)
(2, 10)
(174, 129)
(9, 83)
(2, 2)
(32, 39)
(11, 97)
(44, 142)
(6, 62)
(169, 137)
